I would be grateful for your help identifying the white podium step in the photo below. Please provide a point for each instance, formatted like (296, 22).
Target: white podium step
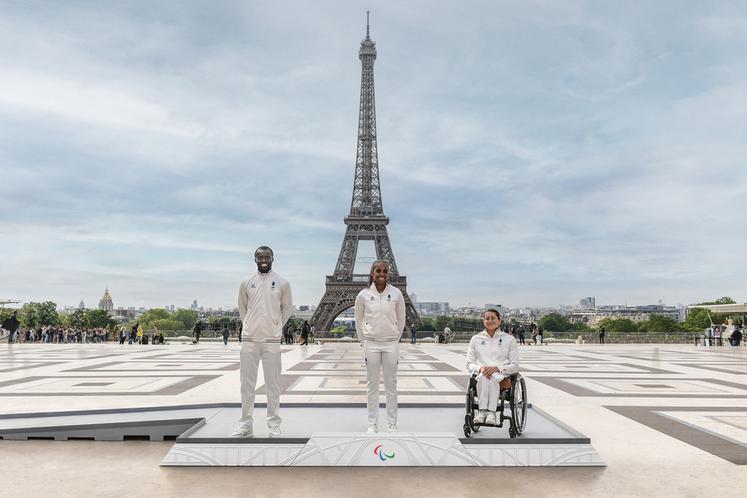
(333, 435)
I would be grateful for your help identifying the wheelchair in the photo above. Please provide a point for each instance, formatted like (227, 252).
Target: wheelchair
(514, 394)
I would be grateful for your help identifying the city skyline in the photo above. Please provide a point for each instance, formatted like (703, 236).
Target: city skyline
(530, 154)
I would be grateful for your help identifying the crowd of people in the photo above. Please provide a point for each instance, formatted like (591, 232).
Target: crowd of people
(137, 335)
(716, 333)
(520, 331)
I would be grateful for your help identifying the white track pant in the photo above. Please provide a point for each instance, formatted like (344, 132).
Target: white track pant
(251, 354)
(488, 391)
(382, 356)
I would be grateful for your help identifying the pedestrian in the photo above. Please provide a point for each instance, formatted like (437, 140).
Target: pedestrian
(139, 334)
(11, 325)
(521, 334)
(379, 323)
(539, 334)
(413, 333)
(197, 330)
(225, 335)
(601, 335)
(305, 330)
(133, 332)
(265, 305)
(153, 334)
(736, 336)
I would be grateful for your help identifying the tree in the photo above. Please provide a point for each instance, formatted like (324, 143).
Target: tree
(658, 323)
(440, 322)
(618, 325)
(698, 319)
(99, 319)
(166, 324)
(721, 300)
(6, 313)
(78, 319)
(555, 322)
(188, 318)
(39, 314)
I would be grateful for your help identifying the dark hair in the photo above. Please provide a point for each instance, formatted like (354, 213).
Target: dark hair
(264, 248)
(373, 265)
(493, 310)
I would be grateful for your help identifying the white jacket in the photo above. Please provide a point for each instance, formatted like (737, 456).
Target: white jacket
(265, 304)
(379, 317)
(497, 351)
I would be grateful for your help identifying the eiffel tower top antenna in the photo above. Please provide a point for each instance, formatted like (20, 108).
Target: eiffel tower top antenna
(368, 35)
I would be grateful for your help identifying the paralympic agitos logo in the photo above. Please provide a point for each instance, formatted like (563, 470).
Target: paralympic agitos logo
(381, 454)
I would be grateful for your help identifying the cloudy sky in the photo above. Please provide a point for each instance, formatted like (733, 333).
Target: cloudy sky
(531, 152)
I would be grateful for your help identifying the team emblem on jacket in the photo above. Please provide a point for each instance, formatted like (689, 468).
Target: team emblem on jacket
(388, 297)
(482, 343)
(273, 284)
(372, 298)
(254, 286)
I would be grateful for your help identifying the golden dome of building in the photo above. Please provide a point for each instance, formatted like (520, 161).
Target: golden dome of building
(106, 302)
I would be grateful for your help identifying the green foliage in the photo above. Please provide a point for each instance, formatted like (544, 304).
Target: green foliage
(658, 323)
(338, 330)
(39, 314)
(440, 322)
(165, 324)
(555, 322)
(721, 300)
(188, 318)
(180, 319)
(6, 313)
(78, 319)
(697, 320)
(100, 319)
(152, 315)
(618, 325)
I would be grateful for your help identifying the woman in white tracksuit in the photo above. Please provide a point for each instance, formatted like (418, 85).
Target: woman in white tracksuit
(494, 356)
(379, 323)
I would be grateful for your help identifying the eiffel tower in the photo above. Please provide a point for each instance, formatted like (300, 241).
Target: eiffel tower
(366, 220)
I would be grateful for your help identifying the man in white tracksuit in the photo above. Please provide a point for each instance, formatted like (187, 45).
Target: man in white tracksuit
(265, 304)
(494, 356)
(379, 323)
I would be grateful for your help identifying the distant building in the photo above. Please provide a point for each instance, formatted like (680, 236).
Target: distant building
(82, 305)
(588, 303)
(432, 308)
(634, 313)
(497, 307)
(106, 302)
(194, 305)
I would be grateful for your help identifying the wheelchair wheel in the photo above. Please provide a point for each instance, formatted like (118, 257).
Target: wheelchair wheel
(467, 426)
(469, 417)
(518, 407)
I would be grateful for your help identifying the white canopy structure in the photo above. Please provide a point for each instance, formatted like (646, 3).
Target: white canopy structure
(722, 308)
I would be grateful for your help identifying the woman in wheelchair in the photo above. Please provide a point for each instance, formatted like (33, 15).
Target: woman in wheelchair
(492, 357)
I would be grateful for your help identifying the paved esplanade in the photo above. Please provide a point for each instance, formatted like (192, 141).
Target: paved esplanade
(666, 419)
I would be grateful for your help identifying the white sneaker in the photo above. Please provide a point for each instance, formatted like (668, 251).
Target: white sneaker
(480, 417)
(372, 428)
(391, 428)
(242, 431)
(490, 418)
(275, 431)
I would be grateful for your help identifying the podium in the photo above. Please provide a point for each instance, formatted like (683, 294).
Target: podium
(334, 435)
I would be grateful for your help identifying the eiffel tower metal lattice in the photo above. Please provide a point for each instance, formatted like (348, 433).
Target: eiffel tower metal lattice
(366, 220)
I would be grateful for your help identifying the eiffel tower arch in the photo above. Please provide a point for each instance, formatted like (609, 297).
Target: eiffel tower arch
(366, 221)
